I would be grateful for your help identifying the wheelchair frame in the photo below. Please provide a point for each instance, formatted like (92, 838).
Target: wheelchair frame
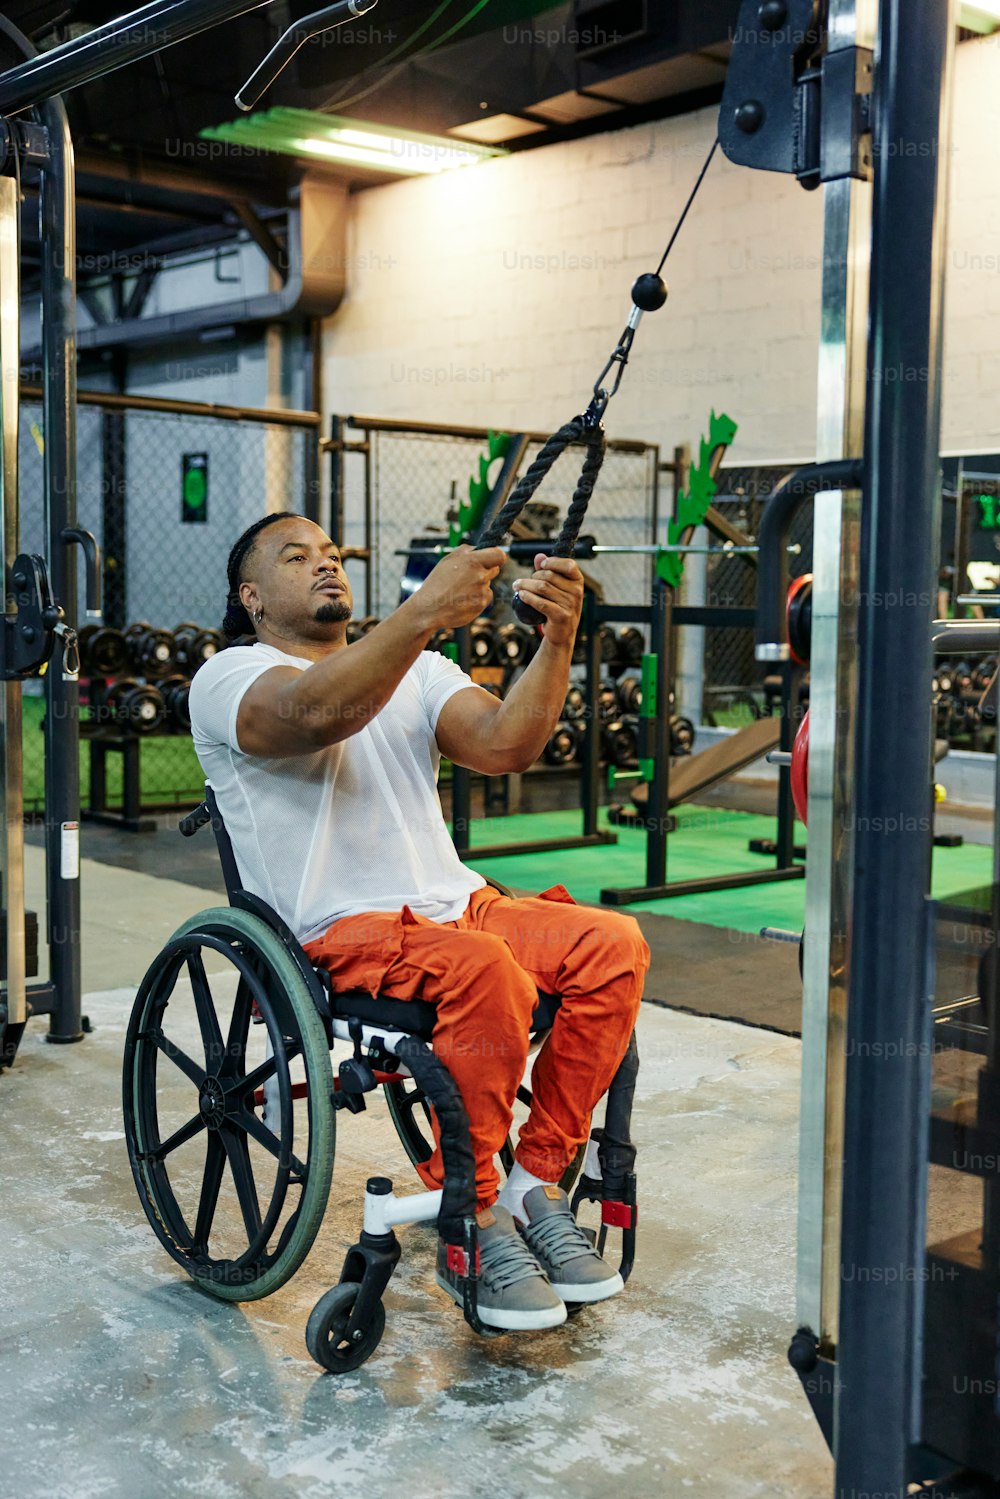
(346, 1324)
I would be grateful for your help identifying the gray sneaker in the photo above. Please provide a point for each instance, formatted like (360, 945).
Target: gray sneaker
(513, 1292)
(575, 1269)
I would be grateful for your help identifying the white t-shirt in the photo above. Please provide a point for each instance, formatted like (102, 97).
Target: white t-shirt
(354, 827)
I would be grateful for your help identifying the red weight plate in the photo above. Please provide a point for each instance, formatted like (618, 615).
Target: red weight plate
(800, 770)
(797, 586)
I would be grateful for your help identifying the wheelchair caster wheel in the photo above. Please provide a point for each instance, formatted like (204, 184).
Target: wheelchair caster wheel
(328, 1323)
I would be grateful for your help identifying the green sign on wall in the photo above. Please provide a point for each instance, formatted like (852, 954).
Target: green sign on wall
(989, 512)
(194, 488)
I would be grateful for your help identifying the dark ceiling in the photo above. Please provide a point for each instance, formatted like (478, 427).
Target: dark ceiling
(516, 73)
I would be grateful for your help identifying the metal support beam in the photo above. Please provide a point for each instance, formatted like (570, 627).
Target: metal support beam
(12, 806)
(889, 1010)
(839, 434)
(62, 696)
(139, 294)
(262, 237)
(105, 48)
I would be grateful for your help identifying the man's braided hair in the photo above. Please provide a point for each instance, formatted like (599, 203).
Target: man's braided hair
(237, 623)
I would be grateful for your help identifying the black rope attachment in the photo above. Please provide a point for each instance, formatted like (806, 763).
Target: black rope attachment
(578, 430)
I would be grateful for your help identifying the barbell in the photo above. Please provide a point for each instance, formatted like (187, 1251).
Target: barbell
(587, 549)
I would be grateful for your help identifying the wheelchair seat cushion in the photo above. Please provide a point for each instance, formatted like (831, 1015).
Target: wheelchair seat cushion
(415, 1016)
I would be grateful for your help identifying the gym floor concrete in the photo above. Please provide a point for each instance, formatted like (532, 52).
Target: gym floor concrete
(122, 1381)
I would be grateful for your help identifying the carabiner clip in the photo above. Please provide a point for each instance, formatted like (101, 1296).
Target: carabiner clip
(601, 397)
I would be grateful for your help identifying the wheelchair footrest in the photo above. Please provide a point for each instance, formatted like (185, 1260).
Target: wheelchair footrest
(619, 1214)
(620, 1211)
(458, 1260)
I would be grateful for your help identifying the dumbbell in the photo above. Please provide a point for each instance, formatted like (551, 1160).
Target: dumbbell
(681, 735)
(562, 746)
(942, 719)
(620, 740)
(483, 643)
(576, 703)
(193, 646)
(630, 694)
(579, 647)
(151, 651)
(953, 717)
(608, 644)
(135, 705)
(608, 649)
(103, 651)
(358, 627)
(174, 691)
(631, 646)
(983, 673)
(607, 701)
(514, 645)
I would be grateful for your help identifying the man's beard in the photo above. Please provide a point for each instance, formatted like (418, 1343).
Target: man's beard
(332, 613)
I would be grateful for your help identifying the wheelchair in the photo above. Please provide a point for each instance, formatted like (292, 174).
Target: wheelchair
(264, 1101)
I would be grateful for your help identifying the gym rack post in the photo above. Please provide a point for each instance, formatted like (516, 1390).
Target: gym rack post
(36, 605)
(874, 75)
(34, 633)
(661, 616)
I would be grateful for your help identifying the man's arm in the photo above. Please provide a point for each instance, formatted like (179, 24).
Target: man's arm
(289, 712)
(476, 730)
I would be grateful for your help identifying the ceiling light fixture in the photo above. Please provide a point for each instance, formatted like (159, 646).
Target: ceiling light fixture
(383, 148)
(980, 15)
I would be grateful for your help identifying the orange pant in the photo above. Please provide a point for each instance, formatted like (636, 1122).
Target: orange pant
(482, 972)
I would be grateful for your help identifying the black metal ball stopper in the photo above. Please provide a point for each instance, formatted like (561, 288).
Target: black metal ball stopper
(649, 292)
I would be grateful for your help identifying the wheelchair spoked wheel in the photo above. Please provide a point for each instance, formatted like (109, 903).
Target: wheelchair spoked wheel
(410, 1113)
(232, 1163)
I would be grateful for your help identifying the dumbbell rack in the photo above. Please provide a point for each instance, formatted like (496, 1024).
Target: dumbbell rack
(661, 616)
(102, 739)
(151, 652)
(590, 835)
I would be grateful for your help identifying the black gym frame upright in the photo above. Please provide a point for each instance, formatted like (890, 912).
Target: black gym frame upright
(878, 1417)
(40, 596)
(873, 108)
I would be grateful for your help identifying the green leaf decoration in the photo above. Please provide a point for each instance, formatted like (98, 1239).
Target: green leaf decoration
(470, 514)
(693, 506)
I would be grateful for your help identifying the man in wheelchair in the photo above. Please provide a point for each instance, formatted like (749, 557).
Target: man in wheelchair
(324, 763)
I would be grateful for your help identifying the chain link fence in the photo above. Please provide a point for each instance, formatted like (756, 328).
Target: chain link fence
(166, 487)
(401, 481)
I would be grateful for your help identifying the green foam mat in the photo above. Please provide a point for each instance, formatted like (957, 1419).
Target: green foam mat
(708, 841)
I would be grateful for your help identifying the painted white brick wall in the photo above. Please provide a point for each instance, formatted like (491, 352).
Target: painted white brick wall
(493, 296)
